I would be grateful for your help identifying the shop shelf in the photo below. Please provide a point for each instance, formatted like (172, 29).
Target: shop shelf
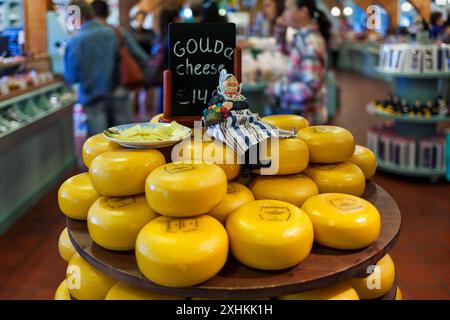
(414, 75)
(407, 118)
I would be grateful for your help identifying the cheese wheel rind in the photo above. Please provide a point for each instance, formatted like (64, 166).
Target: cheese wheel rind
(328, 144)
(95, 146)
(343, 177)
(343, 221)
(181, 252)
(65, 246)
(185, 189)
(123, 173)
(270, 235)
(85, 282)
(379, 282)
(338, 291)
(76, 195)
(114, 222)
(237, 196)
(295, 189)
(366, 160)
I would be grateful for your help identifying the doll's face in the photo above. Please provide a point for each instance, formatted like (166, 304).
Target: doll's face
(231, 85)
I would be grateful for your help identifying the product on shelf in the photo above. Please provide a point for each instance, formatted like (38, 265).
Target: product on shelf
(328, 144)
(95, 146)
(85, 282)
(10, 84)
(366, 160)
(62, 292)
(114, 222)
(405, 152)
(65, 246)
(343, 221)
(122, 291)
(379, 282)
(415, 58)
(237, 196)
(342, 177)
(123, 172)
(186, 189)
(290, 156)
(76, 195)
(426, 109)
(339, 291)
(295, 189)
(209, 151)
(270, 235)
(287, 121)
(176, 252)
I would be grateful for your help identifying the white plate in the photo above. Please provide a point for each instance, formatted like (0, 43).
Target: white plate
(144, 144)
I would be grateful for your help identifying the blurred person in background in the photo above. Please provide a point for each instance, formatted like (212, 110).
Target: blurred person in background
(264, 26)
(437, 23)
(145, 37)
(92, 61)
(302, 91)
(159, 60)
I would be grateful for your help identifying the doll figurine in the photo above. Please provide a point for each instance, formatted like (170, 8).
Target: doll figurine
(228, 119)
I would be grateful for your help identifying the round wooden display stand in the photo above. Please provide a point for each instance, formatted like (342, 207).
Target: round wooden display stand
(323, 267)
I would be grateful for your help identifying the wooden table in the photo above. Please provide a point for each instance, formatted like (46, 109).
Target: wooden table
(323, 267)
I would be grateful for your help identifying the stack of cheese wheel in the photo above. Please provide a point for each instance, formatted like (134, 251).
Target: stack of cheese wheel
(183, 218)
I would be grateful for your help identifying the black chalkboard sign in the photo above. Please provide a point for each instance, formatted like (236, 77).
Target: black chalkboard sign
(197, 54)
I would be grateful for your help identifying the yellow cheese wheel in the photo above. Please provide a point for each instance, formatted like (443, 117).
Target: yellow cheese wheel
(208, 151)
(343, 221)
(398, 294)
(123, 173)
(62, 293)
(237, 196)
(289, 156)
(338, 291)
(65, 246)
(186, 189)
(293, 189)
(328, 144)
(85, 282)
(379, 282)
(270, 235)
(366, 160)
(122, 291)
(177, 252)
(287, 121)
(114, 222)
(76, 195)
(343, 177)
(95, 146)
(156, 118)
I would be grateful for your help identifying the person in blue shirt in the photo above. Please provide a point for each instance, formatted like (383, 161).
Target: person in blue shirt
(92, 61)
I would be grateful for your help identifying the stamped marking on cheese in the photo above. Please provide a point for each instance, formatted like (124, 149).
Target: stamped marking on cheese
(178, 168)
(274, 213)
(231, 189)
(346, 204)
(182, 225)
(119, 202)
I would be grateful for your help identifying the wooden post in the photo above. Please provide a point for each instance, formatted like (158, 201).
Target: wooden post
(167, 95)
(423, 8)
(35, 27)
(238, 64)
